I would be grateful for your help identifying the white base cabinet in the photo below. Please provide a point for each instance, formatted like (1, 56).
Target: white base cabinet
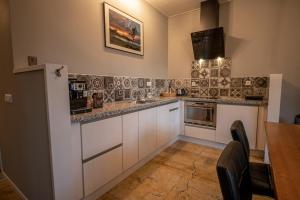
(130, 140)
(200, 133)
(147, 132)
(227, 114)
(101, 170)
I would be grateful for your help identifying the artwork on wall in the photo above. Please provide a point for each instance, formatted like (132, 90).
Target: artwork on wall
(122, 31)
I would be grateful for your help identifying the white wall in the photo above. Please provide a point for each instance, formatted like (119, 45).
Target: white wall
(180, 50)
(72, 32)
(262, 37)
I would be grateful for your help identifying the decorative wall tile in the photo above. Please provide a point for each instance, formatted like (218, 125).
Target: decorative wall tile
(214, 63)
(146, 80)
(203, 92)
(134, 83)
(187, 83)
(225, 71)
(214, 82)
(236, 82)
(236, 92)
(142, 93)
(109, 83)
(227, 62)
(247, 80)
(260, 91)
(214, 92)
(204, 83)
(160, 83)
(119, 95)
(178, 83)
(204, 73)
(127, 94)
(261, 82)
(109, 96)
(141, 83)
(247, 91)
(126, 83)
(195, 74)
(97, 83)
(214, 72)
(195, 83)
(118, 82)
(224, 82)
(224, 92)
(195, 91)
(204, 64)
(195, 65)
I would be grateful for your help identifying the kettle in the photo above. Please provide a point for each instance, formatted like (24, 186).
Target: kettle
(180, 92)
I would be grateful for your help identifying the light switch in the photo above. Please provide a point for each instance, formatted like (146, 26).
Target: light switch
(149, 84)
(8, 98)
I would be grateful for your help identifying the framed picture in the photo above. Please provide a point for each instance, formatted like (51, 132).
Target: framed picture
(122, 31)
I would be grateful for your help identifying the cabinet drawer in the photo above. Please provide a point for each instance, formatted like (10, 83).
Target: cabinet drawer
(201, 133)
(101, 170)
(100, 136)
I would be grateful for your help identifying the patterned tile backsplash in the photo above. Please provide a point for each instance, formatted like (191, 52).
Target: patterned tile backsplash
(209, 78)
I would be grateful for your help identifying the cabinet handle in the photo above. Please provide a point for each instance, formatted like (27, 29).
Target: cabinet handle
(173, 109)
(101, 153)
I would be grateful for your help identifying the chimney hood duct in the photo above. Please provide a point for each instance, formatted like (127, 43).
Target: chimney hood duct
(209, 43)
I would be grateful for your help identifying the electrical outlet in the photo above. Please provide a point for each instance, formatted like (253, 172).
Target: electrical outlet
(149, 84)
(248, 83)
(8, 98)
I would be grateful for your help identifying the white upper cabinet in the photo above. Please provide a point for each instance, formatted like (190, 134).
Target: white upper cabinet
(100, 136)
(130, 140)
(227, 114)
(147, 132)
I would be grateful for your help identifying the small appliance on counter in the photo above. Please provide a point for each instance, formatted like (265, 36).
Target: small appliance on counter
(78, 97)
(180, 92)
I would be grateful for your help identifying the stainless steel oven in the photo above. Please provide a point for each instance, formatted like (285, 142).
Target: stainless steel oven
(200, 113)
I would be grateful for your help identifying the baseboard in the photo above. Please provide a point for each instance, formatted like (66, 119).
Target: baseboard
(202, 142)
(14, 186)
(101, 191)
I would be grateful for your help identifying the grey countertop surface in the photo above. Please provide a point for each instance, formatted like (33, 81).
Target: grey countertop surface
(120, 108)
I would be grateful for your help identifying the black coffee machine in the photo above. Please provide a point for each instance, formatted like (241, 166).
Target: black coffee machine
(78, 96)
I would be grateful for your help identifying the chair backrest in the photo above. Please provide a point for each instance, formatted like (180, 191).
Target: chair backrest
(238, 133)
(233, 173)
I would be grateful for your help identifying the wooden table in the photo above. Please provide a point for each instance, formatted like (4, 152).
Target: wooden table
(284, 153)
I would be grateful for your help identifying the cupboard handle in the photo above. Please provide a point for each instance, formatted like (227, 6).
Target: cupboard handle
(173, 109)
(101, 153)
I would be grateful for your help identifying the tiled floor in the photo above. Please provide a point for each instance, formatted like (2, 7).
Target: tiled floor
(7, 192)
(183, 171)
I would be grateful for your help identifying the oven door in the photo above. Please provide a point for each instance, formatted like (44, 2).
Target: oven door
(200, 113)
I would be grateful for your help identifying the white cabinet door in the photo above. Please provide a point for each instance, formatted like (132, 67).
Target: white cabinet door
(147, 132)
(227, 114)
(100, 136)
(163, 125)
(174, 120)
(201, 133)
(130, 140)
(101, 170)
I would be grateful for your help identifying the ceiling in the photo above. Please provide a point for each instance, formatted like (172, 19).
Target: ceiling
(174, 7)
(170, 8)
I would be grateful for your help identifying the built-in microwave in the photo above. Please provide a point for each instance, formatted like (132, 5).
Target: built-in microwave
(200, 113)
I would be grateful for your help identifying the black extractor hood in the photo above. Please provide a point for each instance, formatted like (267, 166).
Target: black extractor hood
(209, 43)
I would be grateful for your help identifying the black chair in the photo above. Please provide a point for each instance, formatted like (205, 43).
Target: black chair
(233, 173)
(297, 119)
(259, 172)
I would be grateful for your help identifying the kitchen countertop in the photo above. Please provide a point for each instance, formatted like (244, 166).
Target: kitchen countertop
(120, 108)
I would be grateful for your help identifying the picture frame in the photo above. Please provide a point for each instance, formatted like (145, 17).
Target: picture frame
(122, 31)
